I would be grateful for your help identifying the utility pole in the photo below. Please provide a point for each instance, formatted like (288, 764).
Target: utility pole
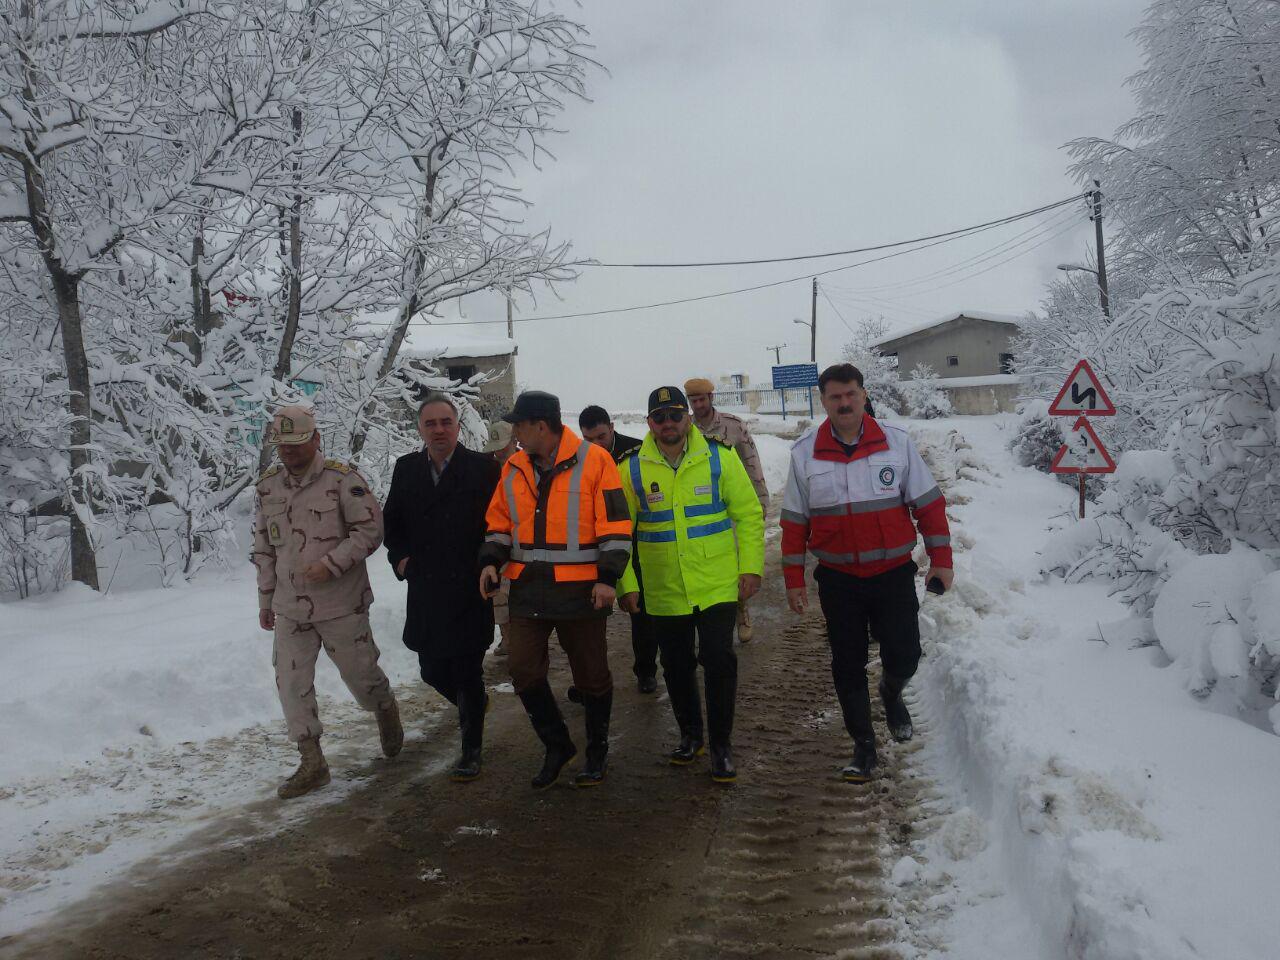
(813, 325)
(777, 354)
(1103, 293)
(511, 333)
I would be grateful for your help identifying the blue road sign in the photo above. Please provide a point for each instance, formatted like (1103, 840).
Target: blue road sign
(795, 375)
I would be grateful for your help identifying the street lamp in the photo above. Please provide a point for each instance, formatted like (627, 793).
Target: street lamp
(813, 340)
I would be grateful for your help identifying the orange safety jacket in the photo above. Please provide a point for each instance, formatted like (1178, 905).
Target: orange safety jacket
(560, 533)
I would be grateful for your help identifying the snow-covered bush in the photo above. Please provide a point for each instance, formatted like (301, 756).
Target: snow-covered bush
(925, 399)
(1038, 437)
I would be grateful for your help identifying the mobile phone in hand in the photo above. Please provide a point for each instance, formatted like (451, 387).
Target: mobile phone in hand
(935, 586)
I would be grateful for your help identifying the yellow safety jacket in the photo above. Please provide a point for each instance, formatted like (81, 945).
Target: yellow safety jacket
(687, 521)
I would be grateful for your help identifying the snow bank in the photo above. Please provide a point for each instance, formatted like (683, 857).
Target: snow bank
(1126, 821)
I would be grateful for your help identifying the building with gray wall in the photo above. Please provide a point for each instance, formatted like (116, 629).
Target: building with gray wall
(971, 354)
(968, 344)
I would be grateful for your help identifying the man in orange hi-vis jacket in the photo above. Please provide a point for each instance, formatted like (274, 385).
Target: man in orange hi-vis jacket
(560, 524)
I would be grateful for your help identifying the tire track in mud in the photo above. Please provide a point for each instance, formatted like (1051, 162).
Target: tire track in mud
(659, 862)
(796, 865)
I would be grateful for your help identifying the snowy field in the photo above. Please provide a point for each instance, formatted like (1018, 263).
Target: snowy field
(1095, 810)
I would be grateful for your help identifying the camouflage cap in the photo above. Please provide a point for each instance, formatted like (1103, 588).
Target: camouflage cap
(499, 437)
(292, 425)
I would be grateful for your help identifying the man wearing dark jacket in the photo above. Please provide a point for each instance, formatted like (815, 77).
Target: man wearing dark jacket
(435, 525)
(598, 428)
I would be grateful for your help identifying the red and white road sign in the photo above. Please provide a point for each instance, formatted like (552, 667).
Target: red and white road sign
(1082, 395)
(1083, 452)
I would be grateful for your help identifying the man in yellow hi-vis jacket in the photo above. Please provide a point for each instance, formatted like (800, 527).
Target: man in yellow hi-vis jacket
(699, 539)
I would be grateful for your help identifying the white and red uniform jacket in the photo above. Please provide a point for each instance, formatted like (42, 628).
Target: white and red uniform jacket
(854, 513)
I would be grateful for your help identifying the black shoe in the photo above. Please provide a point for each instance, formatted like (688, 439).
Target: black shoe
(599, 710)
(647, 684)
(690, 747)
(896, 714)
(862, 767)
(722, 768)
(468, 766)
(574, 695)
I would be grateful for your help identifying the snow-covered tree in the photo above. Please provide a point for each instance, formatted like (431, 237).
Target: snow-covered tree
(879, 373)
(925, 399)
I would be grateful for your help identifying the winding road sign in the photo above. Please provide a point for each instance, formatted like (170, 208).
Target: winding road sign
(1082, 395)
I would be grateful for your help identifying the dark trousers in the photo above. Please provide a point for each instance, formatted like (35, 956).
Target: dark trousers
(583, 641)
(449, 676)
(644, 645)
(460, 680)
(857, 610)
(712, 629)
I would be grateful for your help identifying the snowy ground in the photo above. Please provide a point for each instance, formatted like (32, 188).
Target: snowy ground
(1093, 810)
(1095, 798)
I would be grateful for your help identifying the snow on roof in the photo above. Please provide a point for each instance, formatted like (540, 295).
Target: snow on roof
(930, 324)
(426, 343)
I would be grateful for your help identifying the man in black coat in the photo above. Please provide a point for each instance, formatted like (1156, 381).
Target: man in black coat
(434, 520)
(597, 427)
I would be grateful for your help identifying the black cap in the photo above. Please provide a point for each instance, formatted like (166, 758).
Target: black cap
(667, 398)
(534, 405)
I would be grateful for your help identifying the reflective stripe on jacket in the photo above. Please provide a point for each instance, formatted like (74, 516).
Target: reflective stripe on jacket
(854, 513)
(571, 526)
(687, 521)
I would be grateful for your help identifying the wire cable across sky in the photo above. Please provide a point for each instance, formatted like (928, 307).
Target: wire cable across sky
(897, 248)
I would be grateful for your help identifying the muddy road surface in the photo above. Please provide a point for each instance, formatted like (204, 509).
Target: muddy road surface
(658, 862)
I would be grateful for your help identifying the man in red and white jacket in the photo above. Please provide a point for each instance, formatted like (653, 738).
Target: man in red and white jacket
(857, 491)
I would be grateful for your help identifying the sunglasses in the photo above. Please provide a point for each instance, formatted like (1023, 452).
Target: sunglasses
(667, 416)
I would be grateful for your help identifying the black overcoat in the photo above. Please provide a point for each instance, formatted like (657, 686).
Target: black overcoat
(440, 527)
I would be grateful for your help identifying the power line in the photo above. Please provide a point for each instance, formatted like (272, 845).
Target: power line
(1012, 218)
(948, 238)
(1026, 236)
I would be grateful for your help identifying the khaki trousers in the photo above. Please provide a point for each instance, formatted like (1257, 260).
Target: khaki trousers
(349, 643)
(583, 641)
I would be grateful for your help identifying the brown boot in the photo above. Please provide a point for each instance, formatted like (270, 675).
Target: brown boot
(389, 730)
(745, 629)
(312, 772)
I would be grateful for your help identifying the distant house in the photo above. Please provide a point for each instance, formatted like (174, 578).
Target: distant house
(971, 354)
(463, 358)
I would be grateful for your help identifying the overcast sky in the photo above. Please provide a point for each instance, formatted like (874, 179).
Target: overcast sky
(751, 128)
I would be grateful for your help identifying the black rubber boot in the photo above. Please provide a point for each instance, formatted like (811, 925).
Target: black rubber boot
(472, 705)
(721, 694)
(896, 714)
(722, 768)
(540, 703)
(855, 704)
(574, 695)
(647, 684)
(598, 710)
(862, 768)
(686, 706)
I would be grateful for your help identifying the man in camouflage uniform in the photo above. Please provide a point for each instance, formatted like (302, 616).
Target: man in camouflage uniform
(732, 432)
(316, 523)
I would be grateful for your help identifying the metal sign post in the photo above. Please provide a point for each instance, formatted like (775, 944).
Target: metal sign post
(1082, 396)
(795, 375)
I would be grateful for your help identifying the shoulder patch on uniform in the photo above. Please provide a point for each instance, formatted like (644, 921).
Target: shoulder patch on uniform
(271, 471)
(337, 465)
(358, 491)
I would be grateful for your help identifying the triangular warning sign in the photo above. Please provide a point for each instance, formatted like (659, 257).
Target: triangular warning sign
(1083, 452)
(1082, 395)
